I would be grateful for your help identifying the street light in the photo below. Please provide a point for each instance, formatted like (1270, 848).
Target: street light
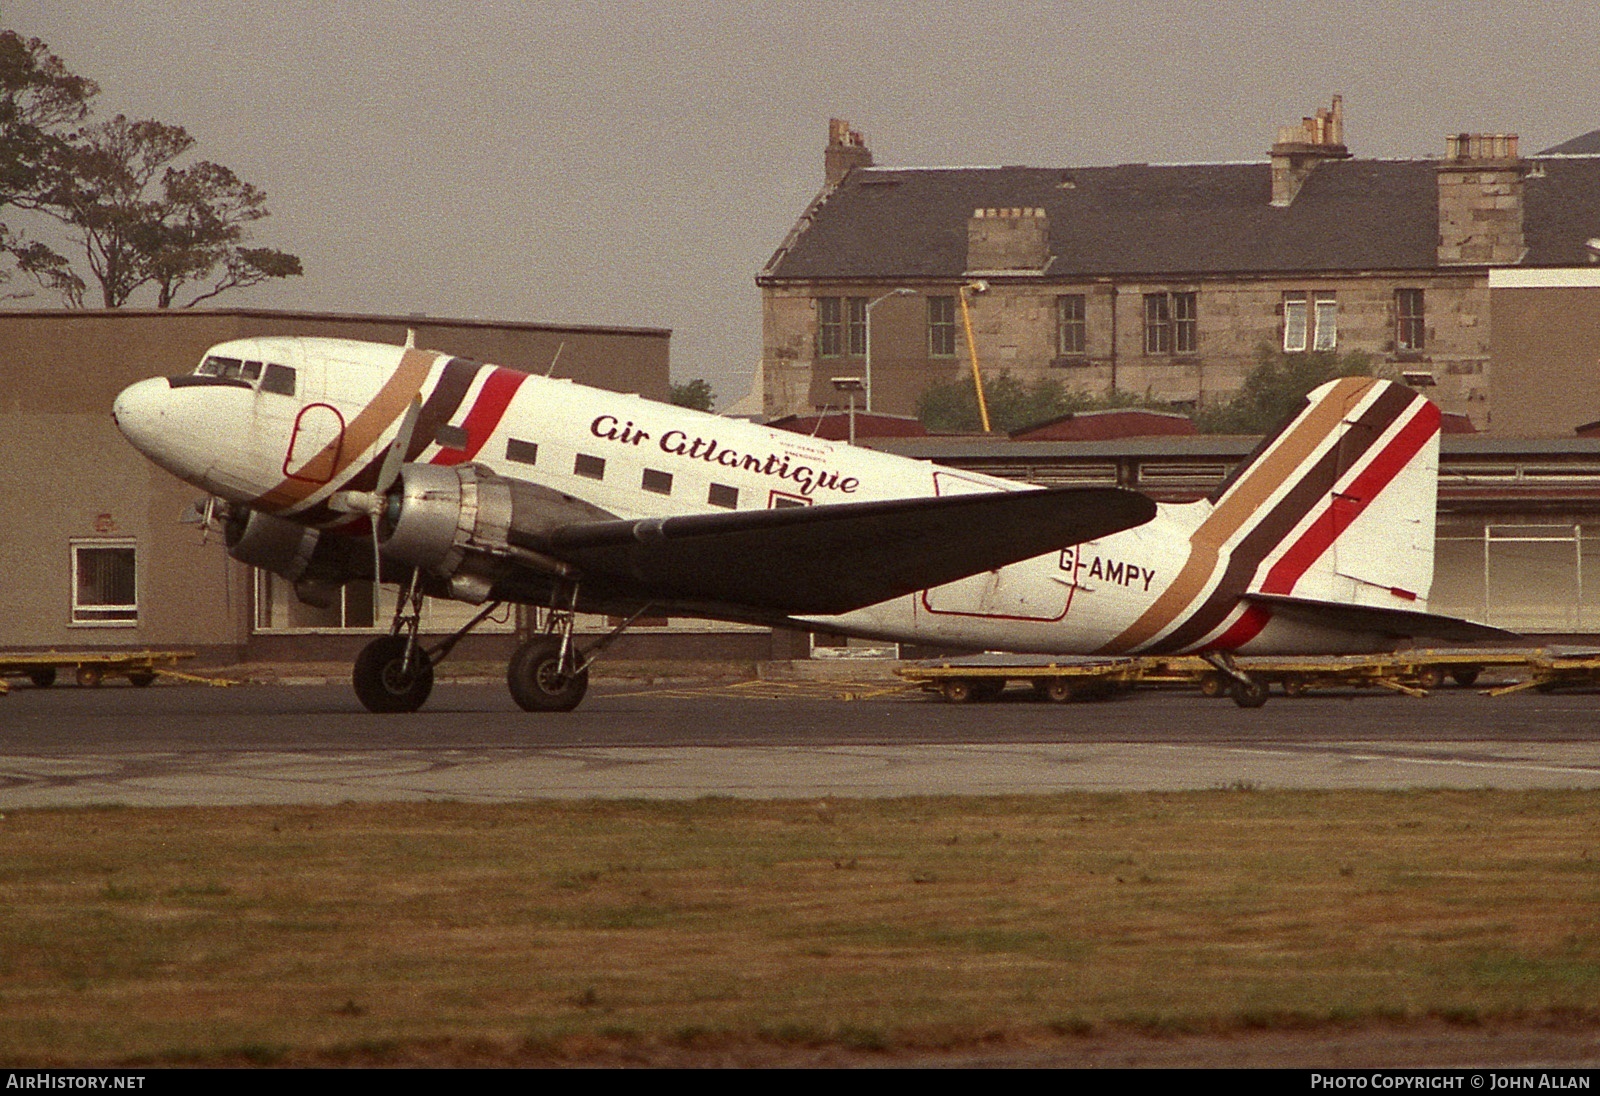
(850, 385)
(874, 303)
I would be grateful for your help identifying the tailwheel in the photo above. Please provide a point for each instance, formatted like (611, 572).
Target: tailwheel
(383, 680)
(1249, 693)
(538, 681)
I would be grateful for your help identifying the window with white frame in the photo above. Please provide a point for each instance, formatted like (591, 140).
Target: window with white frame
(1310, 320)
(105, 583)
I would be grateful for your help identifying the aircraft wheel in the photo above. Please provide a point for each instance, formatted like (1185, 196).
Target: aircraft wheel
(1430, 677)
(88, 676)
(1057, 690)
(1252, 694)
(141, 678)
(536, 682)
(380, 684)
(42, 678)
(958, 690)
(1465, 677)
(1213, 685)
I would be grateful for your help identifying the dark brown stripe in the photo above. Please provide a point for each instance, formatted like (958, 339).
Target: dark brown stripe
(437, 410)
(1354, 444)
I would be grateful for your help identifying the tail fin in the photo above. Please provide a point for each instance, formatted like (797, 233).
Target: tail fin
(1344, 498)
(1335, 507)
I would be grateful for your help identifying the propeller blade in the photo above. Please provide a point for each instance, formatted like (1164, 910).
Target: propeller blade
(390, 470)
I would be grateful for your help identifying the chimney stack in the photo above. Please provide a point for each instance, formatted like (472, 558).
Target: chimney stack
(1007, 239)
(847, 150)
(1480, 200)
(1299, 149)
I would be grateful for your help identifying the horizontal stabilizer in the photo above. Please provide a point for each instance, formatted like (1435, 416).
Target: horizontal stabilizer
(835, 558)
(1399, 623)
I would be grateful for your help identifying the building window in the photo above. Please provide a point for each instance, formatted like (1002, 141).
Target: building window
(724, 496)
(1072, 330)
(1171, 323)
(104, 585)
(1410, 333)
(658, 482)
(858, 326)
(1310, 320)
(942, 327)
(590, 467)
(830, 327)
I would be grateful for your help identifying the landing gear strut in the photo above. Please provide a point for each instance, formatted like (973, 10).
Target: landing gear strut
(1246, 691)
(548, 673)
(394, 673)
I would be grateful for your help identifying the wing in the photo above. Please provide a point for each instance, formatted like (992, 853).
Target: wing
(831, 559)
(1399, 623)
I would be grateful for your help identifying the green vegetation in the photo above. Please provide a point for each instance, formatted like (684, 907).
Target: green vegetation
(374, 933)
(696, 394)
(1274, 388)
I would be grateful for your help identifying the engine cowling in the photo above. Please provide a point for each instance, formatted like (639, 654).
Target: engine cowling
(470, 527)
(270, 543)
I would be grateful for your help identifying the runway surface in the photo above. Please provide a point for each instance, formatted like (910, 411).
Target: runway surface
(314, 744)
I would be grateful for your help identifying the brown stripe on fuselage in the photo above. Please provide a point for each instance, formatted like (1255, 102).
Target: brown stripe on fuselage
(1237, 507)
(359, 434)
(437, 410)
(1316, 485)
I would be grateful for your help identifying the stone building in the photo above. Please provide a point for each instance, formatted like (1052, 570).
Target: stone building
(1165, 280)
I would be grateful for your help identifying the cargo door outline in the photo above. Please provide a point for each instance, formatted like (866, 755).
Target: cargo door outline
(315, 444)
(994, 595)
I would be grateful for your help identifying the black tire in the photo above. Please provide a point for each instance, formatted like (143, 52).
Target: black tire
(958, 690)
(536, 682)
(140, 679)
(1466, 677)
(1251, 694)
(43, 677)
(379, 683)
(1057, 690)
(1430, 677)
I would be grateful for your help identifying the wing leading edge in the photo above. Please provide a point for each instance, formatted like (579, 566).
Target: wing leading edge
(832, 559)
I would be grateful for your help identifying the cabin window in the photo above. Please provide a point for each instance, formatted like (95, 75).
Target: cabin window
(523, 452)
(104, 583)
(278, 379)
(777, 500)
(589, 467)
(451, 437)
(658, 482)
(724, 496)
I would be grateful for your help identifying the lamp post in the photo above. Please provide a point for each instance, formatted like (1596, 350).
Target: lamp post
(874, 303)
(850, 386)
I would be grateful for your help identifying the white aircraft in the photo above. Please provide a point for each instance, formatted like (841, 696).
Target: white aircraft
(330, 461)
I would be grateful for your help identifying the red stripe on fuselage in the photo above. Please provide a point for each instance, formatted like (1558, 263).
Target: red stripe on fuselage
(485, 416)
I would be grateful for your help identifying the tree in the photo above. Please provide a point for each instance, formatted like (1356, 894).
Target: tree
(39, 99)
(139, 220)
(1014, 404)
(1277, 387)
(696, 394)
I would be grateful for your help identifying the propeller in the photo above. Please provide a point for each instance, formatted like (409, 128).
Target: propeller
(371, 503)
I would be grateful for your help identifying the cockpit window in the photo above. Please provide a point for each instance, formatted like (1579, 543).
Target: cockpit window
(278, 379)
(251, 371)
(220, 367)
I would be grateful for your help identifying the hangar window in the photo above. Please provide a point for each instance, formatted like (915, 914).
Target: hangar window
(723, 496)
(589, 467)
(104, 587)
(659, 482)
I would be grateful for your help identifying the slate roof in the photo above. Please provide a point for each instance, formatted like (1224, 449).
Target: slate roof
(1586, 145)
(1170, 220)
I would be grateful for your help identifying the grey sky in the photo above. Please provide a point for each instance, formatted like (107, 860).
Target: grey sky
(638, 163)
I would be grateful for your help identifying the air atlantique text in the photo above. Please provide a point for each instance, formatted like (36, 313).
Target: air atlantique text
(679, 444)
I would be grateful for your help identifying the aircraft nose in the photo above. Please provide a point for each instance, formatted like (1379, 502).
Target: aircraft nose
(138, 412)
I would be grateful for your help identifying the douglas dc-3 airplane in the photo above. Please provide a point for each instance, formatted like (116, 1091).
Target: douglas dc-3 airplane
(330, 461)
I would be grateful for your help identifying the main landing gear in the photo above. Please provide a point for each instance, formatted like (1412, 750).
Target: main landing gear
(547, 673)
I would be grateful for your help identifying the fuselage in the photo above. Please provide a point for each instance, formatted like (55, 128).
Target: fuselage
(281, 424)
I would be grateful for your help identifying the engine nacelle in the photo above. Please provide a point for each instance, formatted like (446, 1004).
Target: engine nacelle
(270, 543)
(470, 527)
